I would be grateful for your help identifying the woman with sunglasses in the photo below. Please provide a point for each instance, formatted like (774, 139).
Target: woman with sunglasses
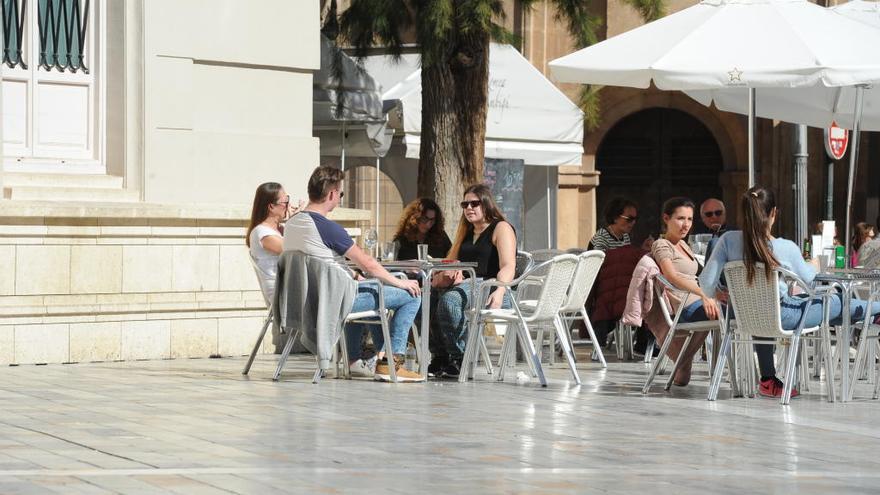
(486, 238)
(421, 223)
(264, 234)
(620, 218)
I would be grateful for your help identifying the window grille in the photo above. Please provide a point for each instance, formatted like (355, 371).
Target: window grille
(13, 12)
(63, 26)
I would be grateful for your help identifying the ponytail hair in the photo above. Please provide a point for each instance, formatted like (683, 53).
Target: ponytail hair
(755, 208)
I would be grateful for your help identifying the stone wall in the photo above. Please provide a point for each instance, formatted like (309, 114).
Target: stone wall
(107, 282)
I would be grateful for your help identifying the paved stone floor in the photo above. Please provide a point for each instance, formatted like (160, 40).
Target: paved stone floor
(198, 426)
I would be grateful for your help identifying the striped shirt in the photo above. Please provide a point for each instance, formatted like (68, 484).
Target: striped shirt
(604, 240)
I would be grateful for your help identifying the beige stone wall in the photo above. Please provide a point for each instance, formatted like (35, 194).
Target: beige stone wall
(227, 97)
(115, 282)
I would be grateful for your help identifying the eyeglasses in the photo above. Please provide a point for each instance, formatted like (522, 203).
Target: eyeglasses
(473, 204)
(286, 201)
(629, 219)
(714, 213)
(341, 193)
(427, 219)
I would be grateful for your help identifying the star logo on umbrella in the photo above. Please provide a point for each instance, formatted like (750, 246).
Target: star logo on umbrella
(735, 75)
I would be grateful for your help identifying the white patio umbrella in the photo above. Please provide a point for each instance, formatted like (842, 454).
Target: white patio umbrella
(853, 107)
(726, 44)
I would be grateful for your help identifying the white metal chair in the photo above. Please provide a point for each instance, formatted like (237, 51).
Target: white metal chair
(589, 263)
(554, 289)
(677, 329)
(372, 317)
(757, 312)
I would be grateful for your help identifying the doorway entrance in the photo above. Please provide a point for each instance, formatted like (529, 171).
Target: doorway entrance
(652, 155)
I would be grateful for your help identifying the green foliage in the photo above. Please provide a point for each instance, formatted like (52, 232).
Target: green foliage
(650, 10)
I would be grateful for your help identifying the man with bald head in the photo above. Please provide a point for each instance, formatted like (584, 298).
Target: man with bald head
(714, 216)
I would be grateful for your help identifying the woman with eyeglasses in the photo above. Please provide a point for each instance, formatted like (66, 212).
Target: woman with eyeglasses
(679, 265)
(620, 218)
(264, 234)
(421, 223)
(483, 237)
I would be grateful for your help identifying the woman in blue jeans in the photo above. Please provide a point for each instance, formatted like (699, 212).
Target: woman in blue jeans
(756, 244)
(485, 237)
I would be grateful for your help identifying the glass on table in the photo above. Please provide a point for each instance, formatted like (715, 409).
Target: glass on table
(389, 251)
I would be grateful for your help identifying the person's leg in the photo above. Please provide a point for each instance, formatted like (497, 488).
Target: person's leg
(694, 312)
(405, 306)
(365, 300)
(451, 320)
(766, 359)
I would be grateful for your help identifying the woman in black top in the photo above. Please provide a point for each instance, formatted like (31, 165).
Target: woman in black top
(484, 236)
(421, 223)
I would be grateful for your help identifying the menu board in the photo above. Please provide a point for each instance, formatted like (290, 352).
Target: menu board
(505, 178)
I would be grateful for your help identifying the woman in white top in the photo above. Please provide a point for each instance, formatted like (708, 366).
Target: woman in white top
(264, 237)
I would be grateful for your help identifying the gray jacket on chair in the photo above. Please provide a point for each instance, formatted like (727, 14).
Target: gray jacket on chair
(313, 295)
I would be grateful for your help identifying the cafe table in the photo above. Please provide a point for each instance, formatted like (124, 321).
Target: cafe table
(425, 268)
(847, 280)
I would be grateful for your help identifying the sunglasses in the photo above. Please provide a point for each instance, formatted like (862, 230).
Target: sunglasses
(341, 193)
(629, 219)
(285, 202)
(473, 204)
(715, 213)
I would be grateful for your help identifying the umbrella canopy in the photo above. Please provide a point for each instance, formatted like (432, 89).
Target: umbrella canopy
(862, 11)
(733, 43)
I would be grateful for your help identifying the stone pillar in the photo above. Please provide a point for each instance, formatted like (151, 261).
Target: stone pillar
(576, 206)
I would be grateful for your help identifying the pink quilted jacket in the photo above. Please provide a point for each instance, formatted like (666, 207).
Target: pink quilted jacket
(640, 298)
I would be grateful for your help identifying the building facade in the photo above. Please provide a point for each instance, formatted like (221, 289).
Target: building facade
(130, 159)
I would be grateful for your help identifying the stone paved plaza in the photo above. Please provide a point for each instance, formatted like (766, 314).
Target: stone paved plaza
(197, 426)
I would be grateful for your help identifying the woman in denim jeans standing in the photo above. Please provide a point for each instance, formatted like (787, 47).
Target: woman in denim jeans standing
(756, 244)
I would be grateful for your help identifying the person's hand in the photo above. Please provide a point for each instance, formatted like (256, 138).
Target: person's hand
(411, 286)
(495, 299)
(711, 307)
(293, 210)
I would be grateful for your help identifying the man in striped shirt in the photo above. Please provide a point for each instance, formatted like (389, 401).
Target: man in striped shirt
(620, 218)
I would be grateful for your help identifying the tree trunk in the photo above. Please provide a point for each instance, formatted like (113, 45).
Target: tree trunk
(454, 107)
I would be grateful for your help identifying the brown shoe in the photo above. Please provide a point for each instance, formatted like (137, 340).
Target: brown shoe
(383, 373)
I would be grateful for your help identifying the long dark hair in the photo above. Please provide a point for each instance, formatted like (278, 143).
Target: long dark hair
(408, 228)
(860, 232)
(267, 193)
(490, 211)
(756, 206)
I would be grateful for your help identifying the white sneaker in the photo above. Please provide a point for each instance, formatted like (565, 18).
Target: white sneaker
(363, 369)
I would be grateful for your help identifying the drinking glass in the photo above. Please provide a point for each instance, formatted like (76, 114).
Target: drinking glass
(422, 252)
(371, 237)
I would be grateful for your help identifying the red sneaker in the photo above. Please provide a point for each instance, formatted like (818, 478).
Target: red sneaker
(773, 387)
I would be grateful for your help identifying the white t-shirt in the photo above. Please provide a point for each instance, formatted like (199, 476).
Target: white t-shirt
(267, 263)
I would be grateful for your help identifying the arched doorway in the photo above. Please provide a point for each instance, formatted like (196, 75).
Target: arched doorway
(655, 154)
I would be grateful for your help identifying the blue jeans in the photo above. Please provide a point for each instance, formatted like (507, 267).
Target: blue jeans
(792, 310)
(450, 316)
(405, 307)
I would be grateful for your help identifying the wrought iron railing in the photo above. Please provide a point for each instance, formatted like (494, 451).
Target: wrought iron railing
(63, 26)
(13, 12)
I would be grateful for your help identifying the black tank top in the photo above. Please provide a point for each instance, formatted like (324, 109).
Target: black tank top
(483, 252)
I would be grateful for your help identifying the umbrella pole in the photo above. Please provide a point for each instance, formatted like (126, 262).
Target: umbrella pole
(853, 161)
(378, 172)
(549, 223)
(752, 97)
(801, 155)
(342, 157)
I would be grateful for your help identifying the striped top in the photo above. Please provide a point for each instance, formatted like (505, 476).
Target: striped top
(604, 240)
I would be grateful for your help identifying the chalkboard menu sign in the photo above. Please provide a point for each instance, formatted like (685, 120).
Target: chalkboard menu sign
(505, 178)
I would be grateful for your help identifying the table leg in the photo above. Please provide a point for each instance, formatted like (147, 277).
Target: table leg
(843, 342)
(426, 322)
